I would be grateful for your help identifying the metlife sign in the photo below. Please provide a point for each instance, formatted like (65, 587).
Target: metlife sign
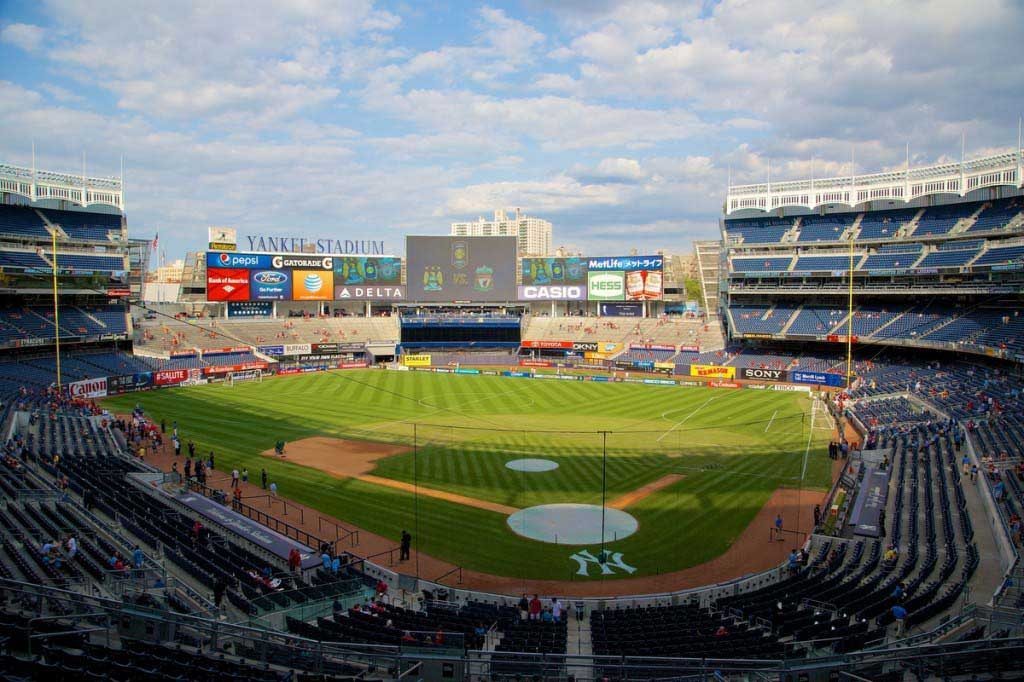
(606, 286)
(561, 292)
(626, 263)
(819, 378)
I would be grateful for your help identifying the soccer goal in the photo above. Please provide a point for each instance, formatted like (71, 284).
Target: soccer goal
(240, 377)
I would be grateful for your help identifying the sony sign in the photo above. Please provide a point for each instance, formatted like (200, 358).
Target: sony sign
(538, 292)
(759, 374)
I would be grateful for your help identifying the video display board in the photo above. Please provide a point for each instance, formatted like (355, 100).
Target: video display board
(368, 278)
(554, 279)
(473, 269)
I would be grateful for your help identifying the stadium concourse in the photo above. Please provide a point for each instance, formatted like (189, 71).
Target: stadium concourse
(115, 561)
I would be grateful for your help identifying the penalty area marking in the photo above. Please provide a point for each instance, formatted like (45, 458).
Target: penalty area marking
(684, 419)
(810, 436)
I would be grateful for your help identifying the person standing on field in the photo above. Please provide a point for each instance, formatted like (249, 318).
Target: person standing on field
(405, 546)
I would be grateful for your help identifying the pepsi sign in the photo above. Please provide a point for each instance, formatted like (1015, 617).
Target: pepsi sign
(225, 259)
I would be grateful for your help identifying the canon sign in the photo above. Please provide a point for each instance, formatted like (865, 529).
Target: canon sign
(90, 388)
(760, 374)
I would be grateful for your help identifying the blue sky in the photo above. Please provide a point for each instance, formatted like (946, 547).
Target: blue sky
(617, 121)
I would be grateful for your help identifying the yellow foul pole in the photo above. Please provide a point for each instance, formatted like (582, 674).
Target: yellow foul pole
(56, 310)
(849, 325)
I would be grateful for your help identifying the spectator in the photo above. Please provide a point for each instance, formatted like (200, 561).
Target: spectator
(245, 475)
(556, 609)
(273, 489)
(234, 477)
(794, 563)
(382, 588)
(900, 614)
(219, 588)
(325, 561)
(294, 560)
(137, 557)
(72, 547)
(524, 607)
(263, 479)
(535, 608)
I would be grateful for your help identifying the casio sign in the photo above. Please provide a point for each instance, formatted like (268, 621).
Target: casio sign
(556, 292)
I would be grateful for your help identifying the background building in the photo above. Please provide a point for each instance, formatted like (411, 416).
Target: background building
(534, 233)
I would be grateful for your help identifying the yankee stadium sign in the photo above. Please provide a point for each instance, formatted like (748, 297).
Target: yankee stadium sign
(285, 244)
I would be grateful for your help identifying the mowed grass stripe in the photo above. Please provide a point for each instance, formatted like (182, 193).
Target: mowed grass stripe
(684, 524)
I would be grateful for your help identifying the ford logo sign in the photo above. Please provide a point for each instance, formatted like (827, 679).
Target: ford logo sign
(270, 277)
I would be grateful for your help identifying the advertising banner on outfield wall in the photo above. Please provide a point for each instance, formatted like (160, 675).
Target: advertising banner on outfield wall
(819, 378)
(422, 360)
(243, 367)
(90, 388)
(170, 377)
(716, 371)
(129, 383)
(548, 345)
(758, 374)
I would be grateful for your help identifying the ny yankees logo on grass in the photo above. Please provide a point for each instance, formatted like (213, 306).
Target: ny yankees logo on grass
(611, 561)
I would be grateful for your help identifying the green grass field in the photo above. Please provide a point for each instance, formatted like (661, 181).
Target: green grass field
(734, 448)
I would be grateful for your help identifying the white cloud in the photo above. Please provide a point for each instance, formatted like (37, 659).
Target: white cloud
(26, 36)
(542, 196)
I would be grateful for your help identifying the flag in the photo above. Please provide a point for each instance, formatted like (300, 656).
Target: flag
(156, 239)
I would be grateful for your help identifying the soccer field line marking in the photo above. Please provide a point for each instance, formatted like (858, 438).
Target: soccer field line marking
(684, 419)
(810, 437)
(770, 421)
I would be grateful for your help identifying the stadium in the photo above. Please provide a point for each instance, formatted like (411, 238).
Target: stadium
(345, 466)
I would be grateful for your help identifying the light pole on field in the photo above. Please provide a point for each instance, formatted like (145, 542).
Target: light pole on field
(604, 487)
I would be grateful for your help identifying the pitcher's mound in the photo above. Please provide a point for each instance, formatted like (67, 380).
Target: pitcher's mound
(337, 456)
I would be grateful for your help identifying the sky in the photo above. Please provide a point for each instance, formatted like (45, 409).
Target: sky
(620, 122)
